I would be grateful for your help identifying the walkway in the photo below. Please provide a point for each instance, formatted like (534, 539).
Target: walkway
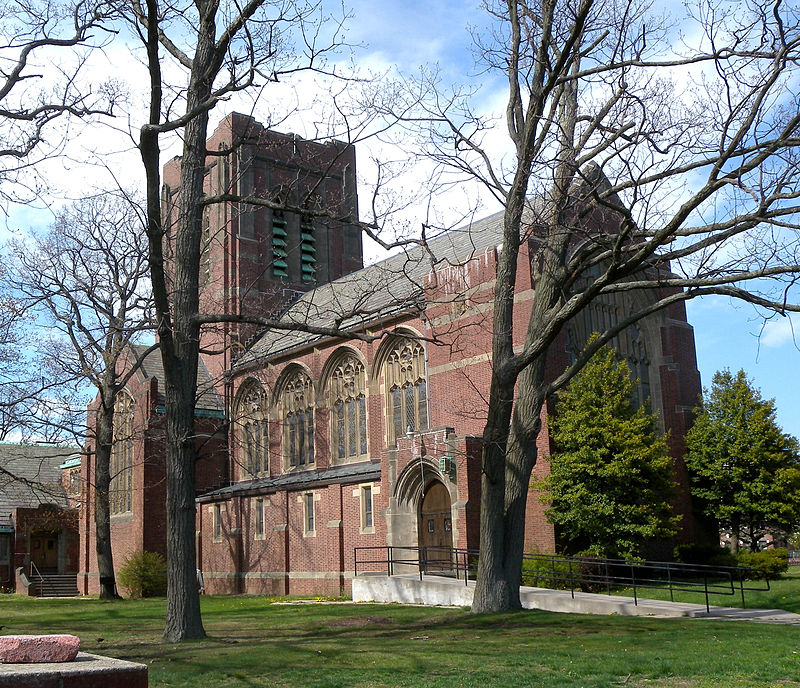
(439, 590)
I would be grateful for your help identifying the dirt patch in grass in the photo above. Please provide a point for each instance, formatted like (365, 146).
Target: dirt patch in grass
(360, 621)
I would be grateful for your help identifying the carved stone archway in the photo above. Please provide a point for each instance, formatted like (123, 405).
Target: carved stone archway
(407, 504)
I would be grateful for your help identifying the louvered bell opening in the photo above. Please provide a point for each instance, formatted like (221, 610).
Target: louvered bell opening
(279, 266)
(309, 273)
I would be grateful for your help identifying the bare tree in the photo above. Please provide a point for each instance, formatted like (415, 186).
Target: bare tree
(43, 48)
(86, 280)
(221, 48)
(647, 158)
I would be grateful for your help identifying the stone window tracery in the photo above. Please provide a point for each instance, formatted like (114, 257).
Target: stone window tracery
(298, 421)
(252, 429)
(407, 389)
(121, 488)
(348, 409)
(631, 344)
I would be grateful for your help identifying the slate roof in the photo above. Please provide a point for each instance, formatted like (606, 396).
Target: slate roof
(354, 472)
(30, 475)
(152, 367)
(377, 291)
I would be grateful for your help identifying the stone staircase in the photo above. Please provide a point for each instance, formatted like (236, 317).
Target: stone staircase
(53, 585)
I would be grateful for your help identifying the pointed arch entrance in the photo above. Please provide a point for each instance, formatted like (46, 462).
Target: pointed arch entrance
(421, 493)
(435, 527)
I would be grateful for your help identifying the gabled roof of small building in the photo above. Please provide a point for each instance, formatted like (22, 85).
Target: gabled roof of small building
(378, 291)
(152, 367)
(30, 475)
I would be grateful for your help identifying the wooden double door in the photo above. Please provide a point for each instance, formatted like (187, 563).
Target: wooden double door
(435, 528)
(44, 552)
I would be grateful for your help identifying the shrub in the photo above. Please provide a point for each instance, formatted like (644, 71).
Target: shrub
(692, 554)
(709, 555)
(144, 574)
(546, 572)
(595, 572)
(769, 564)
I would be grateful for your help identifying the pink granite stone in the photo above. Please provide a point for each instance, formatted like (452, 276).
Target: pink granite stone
(30, 649)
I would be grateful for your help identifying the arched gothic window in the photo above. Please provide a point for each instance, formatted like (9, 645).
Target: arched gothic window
(631, 344)
(298, 421)
(348, 409)
(407, 389)
(121, 489)
(251, 429)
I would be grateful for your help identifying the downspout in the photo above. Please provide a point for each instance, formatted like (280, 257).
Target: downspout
(341, 540)
(240, 573)
(427, 377)
(286, 546)
(89, 517)
(199, 545)
(427, 407)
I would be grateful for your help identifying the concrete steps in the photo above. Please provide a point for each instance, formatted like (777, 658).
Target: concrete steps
(54, 585)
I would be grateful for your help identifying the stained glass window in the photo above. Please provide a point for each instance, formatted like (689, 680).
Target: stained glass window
(348, 397)
(298, 409)
(407, 389)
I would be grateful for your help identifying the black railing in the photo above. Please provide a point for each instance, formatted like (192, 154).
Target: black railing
(588, 574)
(448, 561)
(41, 580)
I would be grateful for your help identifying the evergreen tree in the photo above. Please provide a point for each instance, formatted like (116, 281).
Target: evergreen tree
(611, 478)
(741, 465)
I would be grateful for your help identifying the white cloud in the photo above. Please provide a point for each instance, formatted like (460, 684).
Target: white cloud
(778, 332)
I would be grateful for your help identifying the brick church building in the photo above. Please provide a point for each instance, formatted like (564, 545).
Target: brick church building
(310, 445)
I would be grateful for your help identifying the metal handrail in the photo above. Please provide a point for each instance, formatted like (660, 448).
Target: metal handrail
(41, 579)
(577, 572)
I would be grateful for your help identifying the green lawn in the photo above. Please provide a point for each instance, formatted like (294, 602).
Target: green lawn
(782, 594)
(253, 642)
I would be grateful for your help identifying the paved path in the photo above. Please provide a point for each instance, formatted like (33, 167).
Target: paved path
(439, 590)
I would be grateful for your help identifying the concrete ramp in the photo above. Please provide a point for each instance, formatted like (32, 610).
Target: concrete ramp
(442, 591)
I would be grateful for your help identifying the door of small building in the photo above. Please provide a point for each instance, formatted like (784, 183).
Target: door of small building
(44, 552)
(436, 529)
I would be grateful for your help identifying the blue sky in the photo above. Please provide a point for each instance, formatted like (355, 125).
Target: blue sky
(412, 34)
(727, 334)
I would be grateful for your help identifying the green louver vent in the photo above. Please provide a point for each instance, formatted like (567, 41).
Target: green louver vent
(279, 266)
(308, 251)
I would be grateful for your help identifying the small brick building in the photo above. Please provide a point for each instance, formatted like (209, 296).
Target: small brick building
(325, 444)
(40, 492)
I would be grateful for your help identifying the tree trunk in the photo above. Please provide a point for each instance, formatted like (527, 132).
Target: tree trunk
(183, 620)
(102, 485)
(180, 369)
(520, 460)
(753, 534)
(492, 591)
(735, 528)
(493, 588)
(180, 354)
(508, 464)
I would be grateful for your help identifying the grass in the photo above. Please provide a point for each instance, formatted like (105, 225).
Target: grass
(256, 642)
(783, 593)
